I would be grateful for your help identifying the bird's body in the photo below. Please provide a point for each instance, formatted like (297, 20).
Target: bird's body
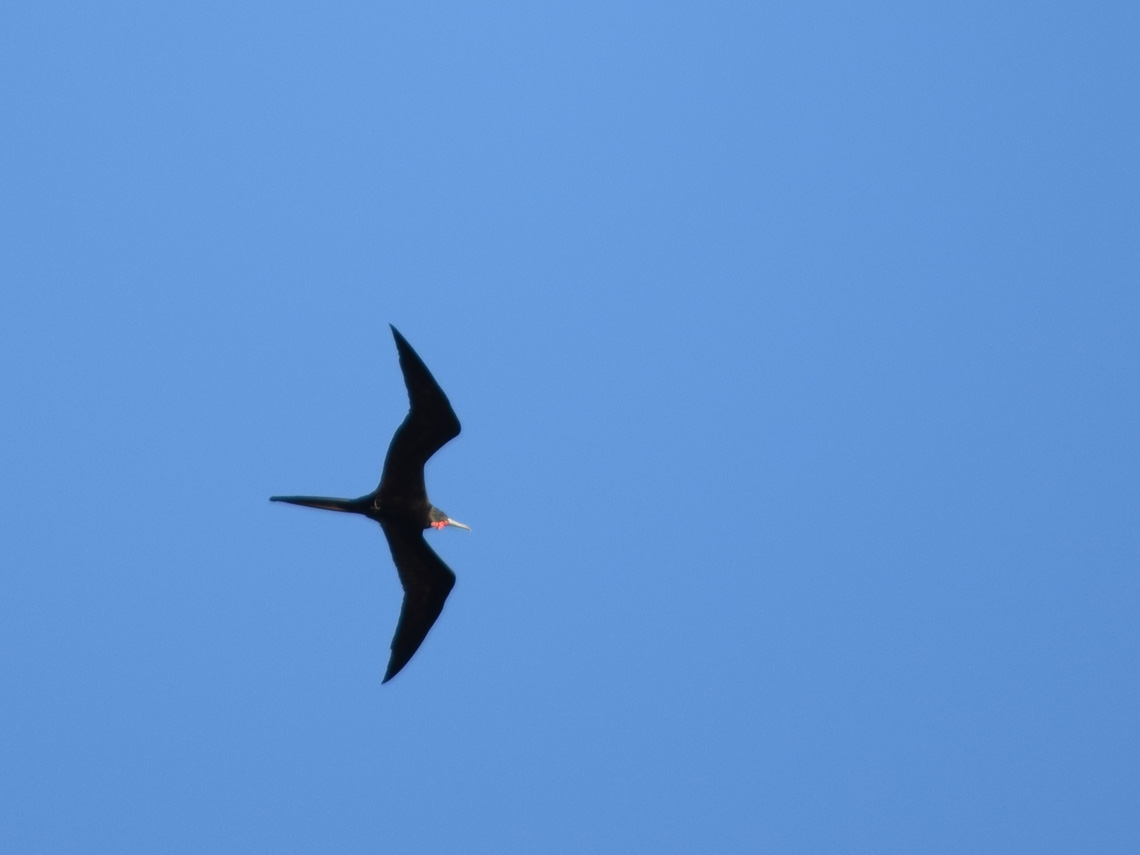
(400, 504)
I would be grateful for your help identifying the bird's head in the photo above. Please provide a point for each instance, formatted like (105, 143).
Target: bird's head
(438, 519)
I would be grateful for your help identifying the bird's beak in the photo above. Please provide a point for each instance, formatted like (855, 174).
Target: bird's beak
(450, 521)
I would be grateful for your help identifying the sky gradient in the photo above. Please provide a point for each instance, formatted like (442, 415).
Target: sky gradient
(796, 350)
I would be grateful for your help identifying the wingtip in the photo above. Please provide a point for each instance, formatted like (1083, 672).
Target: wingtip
(402, 346)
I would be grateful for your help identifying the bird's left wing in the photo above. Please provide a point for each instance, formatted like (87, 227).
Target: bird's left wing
(427, 581)
(430, 424)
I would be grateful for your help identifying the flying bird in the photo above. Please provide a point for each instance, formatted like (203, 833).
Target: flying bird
(400, 504)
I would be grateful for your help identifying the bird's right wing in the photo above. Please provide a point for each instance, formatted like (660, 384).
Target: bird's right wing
(430, 424)
(427, 581)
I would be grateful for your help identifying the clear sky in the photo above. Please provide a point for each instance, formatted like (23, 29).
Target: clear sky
(796, 347)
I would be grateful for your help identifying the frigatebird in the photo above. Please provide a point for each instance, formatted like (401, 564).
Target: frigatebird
(400, 504)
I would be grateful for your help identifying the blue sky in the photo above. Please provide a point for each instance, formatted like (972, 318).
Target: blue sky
(796, 349)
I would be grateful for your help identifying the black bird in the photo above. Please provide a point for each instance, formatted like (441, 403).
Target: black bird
(400, 504)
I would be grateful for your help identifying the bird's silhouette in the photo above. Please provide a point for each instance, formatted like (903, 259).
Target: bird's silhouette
(400, 504)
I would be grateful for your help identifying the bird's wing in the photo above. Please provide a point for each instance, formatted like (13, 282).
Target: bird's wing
(427, 581)
(430, 423)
